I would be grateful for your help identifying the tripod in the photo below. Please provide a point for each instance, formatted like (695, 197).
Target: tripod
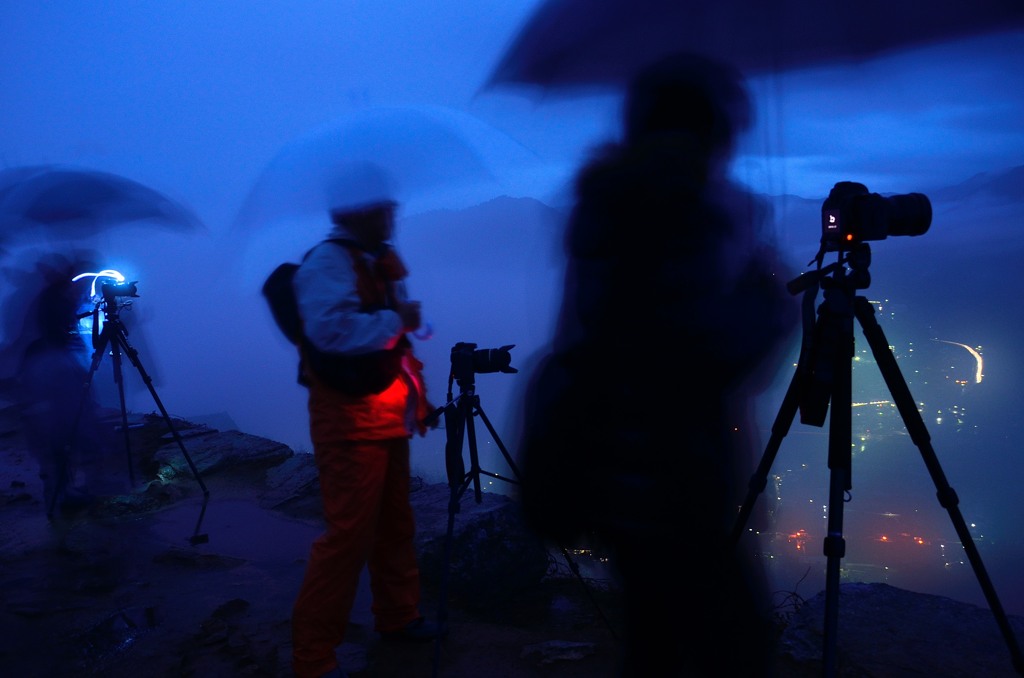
(114, 336)
(459, 425)
(824, 372)
(459, 414)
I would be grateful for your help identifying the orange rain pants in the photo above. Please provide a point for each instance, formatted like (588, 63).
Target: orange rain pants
(365, 490)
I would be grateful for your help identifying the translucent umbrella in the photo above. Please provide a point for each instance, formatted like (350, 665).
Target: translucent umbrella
(437, 157)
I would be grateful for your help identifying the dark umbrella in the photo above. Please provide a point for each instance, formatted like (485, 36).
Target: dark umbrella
(580, 42)
(70, 202)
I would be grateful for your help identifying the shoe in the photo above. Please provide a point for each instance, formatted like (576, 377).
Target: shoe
(419, 630)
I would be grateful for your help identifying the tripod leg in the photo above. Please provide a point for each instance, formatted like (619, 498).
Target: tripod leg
(758, 481)
(133, 355)
(474, 458)
(501, 445)
(840, 463)
(835, 550)
(455, 431)
(794, 400)
(119, 380)
(946, 495)
(458, 481)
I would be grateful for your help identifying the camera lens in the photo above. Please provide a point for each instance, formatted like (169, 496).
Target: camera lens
(909, 214)
(487, 360)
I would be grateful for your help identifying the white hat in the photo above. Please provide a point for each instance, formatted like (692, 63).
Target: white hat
(358, 185)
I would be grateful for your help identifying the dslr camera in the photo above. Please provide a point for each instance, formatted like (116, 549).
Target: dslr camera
(124, 289)
(468, 360)
(851, 215)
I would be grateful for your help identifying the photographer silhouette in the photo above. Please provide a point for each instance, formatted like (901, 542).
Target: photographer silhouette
(638, 424)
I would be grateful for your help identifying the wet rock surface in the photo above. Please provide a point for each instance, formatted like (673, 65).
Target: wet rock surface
(162, 579)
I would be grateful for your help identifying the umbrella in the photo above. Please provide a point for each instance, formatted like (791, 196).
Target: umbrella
(579, 42)
(435, 156)
(71, 202)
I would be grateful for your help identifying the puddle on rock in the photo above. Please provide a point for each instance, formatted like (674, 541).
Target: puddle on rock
(236, 528)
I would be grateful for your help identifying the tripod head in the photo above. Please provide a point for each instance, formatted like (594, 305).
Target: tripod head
(849, 271)
(110, 295)
(112, 299)
(827, 328)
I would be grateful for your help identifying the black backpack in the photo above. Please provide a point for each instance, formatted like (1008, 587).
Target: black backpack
(357, 375)
(277, 290)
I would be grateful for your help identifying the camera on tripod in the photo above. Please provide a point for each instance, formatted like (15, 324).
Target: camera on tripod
(468, 360)
(850, 215)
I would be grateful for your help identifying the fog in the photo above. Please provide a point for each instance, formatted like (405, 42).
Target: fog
(199, 100)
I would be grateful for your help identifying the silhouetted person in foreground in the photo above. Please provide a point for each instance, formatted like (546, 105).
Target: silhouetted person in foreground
(352, 301)
(638, 426)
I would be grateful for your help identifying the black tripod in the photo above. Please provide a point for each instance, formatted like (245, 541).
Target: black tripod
(458, 413)
(458, 420)
(114, 337)
(459, 425)
(824, 372)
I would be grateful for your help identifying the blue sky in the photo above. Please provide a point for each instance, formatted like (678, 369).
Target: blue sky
(910, 121)
(195, 97)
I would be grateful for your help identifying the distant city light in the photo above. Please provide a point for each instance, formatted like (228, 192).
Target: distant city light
(979, 363)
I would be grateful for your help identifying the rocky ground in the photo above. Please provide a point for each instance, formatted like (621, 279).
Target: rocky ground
(163, 579)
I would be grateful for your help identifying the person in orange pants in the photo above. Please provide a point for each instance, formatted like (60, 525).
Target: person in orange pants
(352, 304)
